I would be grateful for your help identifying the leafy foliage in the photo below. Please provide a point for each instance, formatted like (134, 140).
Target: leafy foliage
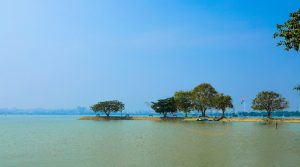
(164, 106)
(184, 101)
(290, 31)
(203, 97)
(108, 106)
(269, 101)
(222, 102)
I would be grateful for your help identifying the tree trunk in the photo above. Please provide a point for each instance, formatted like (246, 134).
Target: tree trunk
(223, 114)
(269, 114)
(186, 114)
(203, 113)
(165, 114)
(107, 114)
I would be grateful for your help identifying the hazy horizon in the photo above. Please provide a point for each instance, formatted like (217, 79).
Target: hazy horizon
(66, 54)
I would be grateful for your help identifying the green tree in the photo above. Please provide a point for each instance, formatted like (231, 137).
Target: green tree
(164, 106)
(108, 106)
(222, 102)
(290, 32)
(269, 101)
(184, 101)
(203, 97)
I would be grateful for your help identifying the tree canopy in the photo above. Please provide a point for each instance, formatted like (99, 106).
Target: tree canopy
(290, 32)
(269, 101)
(297, 88)
(164, 106)
(222, 102)
(184, 101)
(203, 97)
(108, 106)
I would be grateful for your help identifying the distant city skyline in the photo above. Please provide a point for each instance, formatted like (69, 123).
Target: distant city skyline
(64, 54)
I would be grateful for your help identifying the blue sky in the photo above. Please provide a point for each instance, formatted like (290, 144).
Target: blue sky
(64, 54)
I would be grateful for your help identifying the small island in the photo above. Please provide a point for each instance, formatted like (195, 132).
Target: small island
(98, 118)
(202, 98)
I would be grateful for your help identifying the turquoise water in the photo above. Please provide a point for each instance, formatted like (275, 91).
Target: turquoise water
(44, 141)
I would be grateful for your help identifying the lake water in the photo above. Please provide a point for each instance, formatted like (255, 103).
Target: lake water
(64, 141)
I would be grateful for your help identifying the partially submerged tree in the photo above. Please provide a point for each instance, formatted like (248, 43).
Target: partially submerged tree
(269, 101)
(184, 101)
(222, 102)
(164, 106)
(203, 97)
(290, 32)
(108, 106)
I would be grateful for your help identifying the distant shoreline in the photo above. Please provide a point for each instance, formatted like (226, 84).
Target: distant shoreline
(99, 118)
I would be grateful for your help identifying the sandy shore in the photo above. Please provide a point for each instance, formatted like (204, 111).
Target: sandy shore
(97, 118)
